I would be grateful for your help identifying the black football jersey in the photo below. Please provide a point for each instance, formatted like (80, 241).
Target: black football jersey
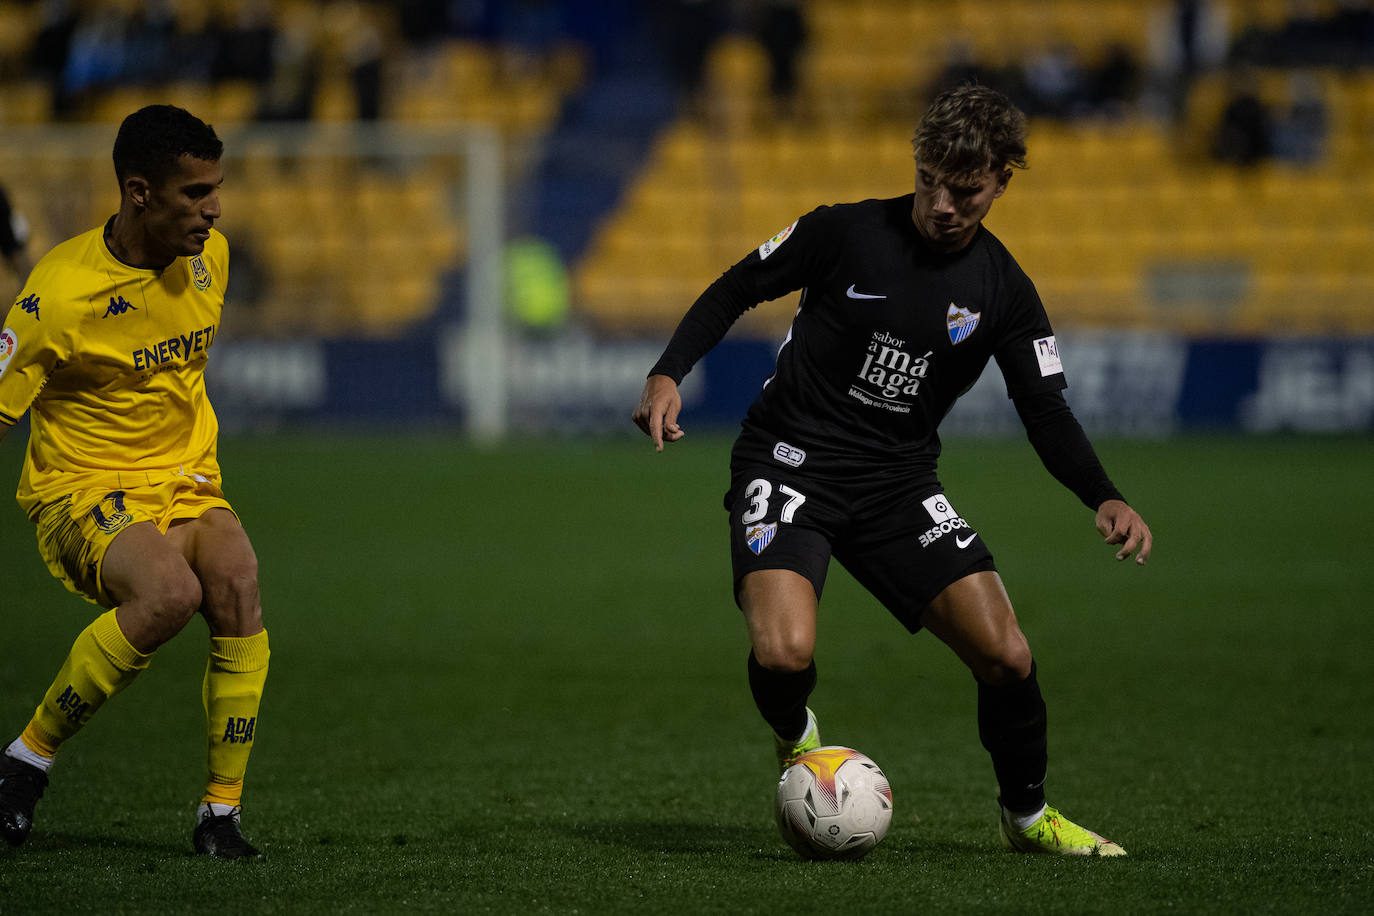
(889, 332)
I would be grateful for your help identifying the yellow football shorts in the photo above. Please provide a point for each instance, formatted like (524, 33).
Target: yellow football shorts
(75, 531)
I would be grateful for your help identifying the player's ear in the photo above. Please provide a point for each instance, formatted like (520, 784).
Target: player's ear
(137, 189)
(1002, 181)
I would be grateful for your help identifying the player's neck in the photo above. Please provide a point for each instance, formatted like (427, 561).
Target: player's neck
(130, 244)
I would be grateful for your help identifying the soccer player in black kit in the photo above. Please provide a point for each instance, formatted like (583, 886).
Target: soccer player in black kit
(903, 303)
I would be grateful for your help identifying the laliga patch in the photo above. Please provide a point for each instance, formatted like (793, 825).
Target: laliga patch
(760, 536)
(776, 241)
(961, 323)
(1047, 353)
(200, 274)
(9, 342)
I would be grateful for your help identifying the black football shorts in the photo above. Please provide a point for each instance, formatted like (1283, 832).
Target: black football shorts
(903, 541)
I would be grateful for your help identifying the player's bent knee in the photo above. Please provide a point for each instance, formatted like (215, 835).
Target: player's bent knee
(159, 613)
(1011, 665)
(784, 654)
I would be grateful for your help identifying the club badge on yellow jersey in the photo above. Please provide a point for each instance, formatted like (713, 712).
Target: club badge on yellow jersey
(200, 274)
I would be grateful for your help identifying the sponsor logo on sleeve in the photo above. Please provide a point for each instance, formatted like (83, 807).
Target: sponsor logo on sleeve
(775, 242)
(29, 304)
(9, 342)
(1047, 354)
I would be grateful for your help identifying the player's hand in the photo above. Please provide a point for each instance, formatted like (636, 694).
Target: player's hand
(657, 411)
(1120, 524)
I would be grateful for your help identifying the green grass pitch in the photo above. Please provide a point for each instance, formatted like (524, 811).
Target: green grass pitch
(512, 681)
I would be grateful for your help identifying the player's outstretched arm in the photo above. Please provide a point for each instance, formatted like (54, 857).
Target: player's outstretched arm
(657, 411)
(1120, 524)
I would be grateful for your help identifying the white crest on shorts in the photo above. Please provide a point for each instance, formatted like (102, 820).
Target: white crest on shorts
(760, 536)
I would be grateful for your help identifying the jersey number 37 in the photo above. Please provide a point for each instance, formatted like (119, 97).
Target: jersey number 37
(760, 491)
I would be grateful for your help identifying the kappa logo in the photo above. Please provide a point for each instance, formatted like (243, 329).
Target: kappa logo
(200, 274)
(29, 304)
(118, 306)
(760, 536)
(961, 323)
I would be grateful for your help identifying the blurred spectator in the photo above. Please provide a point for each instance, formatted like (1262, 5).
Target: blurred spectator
(1054, 83)
(1311, 36)
(780, 28)
(1353, 26)
(686, 30)
(14, 240)
(363, 49)
(962, 66)
(1113, 87)
(1300, 130)
(1244, 134)
(289, 94)
(245, 48)
(96, 56)
(1187, 37)
(193, 44)
(48, 58)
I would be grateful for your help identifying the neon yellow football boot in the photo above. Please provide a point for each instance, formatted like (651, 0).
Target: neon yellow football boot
(1054, 833)
(789, 751)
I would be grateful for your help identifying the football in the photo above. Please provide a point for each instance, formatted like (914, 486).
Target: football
(833, 803)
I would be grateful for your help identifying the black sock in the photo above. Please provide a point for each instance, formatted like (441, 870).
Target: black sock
(781, 696)
(1012, 725)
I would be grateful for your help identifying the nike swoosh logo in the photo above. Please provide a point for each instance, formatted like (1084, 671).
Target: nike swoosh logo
(853, 295)
(961, 543)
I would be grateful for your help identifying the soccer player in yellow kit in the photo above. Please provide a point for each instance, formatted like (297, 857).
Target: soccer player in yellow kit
(106, 347)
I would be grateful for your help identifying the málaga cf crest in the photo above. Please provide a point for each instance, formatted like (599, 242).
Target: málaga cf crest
(961, 323)
(760, 536)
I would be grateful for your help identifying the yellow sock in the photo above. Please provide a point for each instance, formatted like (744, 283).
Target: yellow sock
(234, 677)
(100, 664)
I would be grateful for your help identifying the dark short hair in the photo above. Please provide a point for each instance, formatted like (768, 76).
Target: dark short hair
(971, 128)
(152, 139)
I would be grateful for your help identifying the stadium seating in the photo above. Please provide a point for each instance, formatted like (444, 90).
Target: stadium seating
(1121, 222)
(345, 246)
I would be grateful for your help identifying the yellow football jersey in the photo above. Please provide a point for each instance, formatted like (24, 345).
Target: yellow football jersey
(111, 361)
